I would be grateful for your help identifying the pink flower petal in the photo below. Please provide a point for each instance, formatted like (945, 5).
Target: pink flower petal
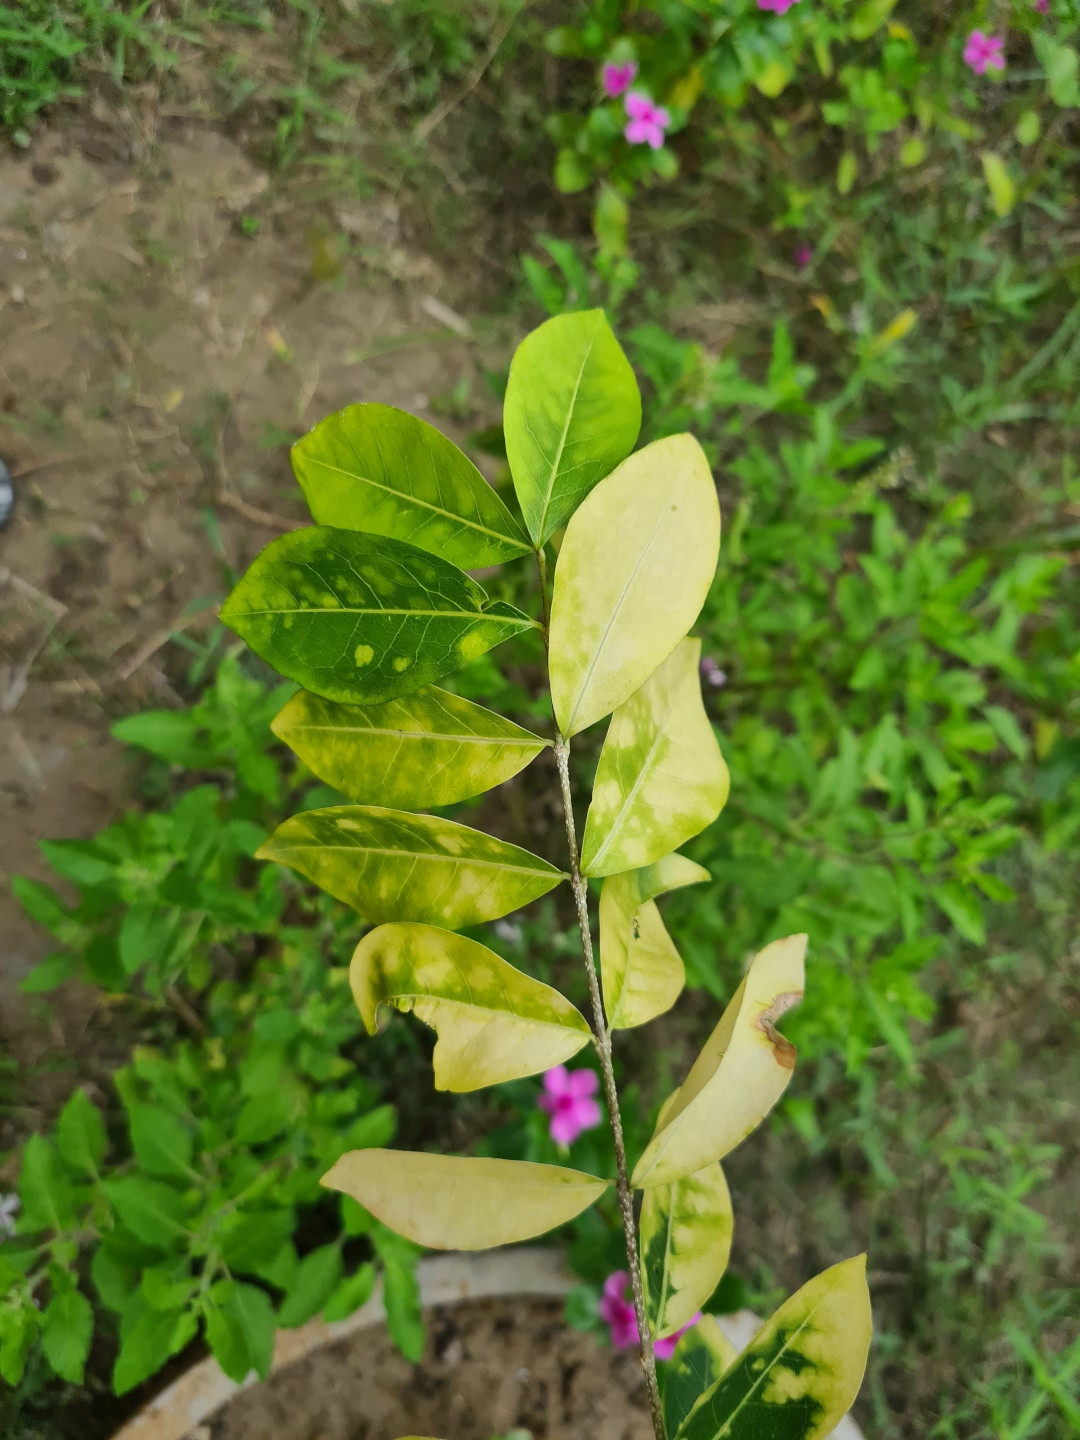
(556, 1080)
(638, 106)
(617, 78)
(582, 1082)
(587, 1114)
(564, 1129)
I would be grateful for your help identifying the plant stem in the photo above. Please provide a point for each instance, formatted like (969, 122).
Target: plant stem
(603, 1049)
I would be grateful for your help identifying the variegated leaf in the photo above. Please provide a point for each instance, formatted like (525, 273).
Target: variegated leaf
(361, 618)
(457, 1202)
(494, 1023)
(739, 1076)
(633, 572)
(661, 777)
(685, 1239)
(384, 471)
(427, 749)
(800, 1374)
(390, 865)
(701, 1357)
(641, 970)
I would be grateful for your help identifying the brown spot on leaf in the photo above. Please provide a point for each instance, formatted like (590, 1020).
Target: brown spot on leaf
(784, 1051)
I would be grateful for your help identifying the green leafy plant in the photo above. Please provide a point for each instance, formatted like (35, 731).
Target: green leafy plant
(195, 1203)
(366, 620)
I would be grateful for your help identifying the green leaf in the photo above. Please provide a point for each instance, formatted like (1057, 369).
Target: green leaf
(240, 1329)
(51, 973)
(572, 412)
(611, 216)
(999, 182)
(700, 1358)
(161, 1143)
(314, 1283)
(428, 749)
(801, 1372)
(154, 1212)
(44, 1189)
(389, 865)
(870, 16)
(455, 1202)
(1061, 65)
(742, 1071)
(494, 1023)
(685, 1240)
(963, 909)
(362, 618)
(18, 1331)
(401, 1298)
(572, 172)
(80, 1134)
(148, 1337)
(66, 1334)
(661, 777)
(114, 1279)
(41, 903)
(352, 1292)
(633, 572)
(380, 470)
(251, 1240)
(641, 970)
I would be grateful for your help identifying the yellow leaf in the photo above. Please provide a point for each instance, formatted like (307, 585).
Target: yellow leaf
(801, 1372)
(494, 1023)
(772, 77)
(661, 778)
(896, 329)
(1000, 183)
(685, 1238)
(635, 566)
(739, 1076)
(685, 92)
(457, 1202)
(641, 970)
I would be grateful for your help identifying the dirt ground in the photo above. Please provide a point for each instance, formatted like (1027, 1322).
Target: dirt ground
(491, 1367)
(169, 318)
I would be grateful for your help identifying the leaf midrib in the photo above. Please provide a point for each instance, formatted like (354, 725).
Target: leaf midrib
(427, 505)
(420, 735)
(419, 855)
(554, 467)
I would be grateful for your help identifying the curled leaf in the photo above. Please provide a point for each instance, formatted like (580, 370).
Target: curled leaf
(661, 778)
(742, 1071)
(360, 617)
(390, 865)
(384, 471)
(800, 1374)
(641, 970)
(633, 572)
(494, 1022)
(456, 1202)
(427, 749)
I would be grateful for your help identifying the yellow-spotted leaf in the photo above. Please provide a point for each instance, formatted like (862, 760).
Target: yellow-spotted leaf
(700, 1358)
(494, 1023)
(633, 572)
(390, 865)
(572, 412)
(798, 1377)
(685, 1240)
(381, 470)
(661, 778)
(456, 1202)
(739, 1076)
(426, 749)
(641, 970)
(363, 618)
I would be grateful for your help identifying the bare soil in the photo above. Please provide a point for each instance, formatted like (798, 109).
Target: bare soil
(169, 318)
(490, 1367)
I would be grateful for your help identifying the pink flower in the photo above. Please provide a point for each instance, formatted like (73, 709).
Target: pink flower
(647, 121)
(711, 673)
(618, 1312)
(803, 255)
(778, 7)
(617, 78)
(984, 52)
(1042, 6)
(568, 1099)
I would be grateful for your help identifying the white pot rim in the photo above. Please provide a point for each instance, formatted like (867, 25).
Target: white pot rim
(522, 1270)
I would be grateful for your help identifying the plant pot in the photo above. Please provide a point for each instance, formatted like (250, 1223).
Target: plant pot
(501, 1358)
